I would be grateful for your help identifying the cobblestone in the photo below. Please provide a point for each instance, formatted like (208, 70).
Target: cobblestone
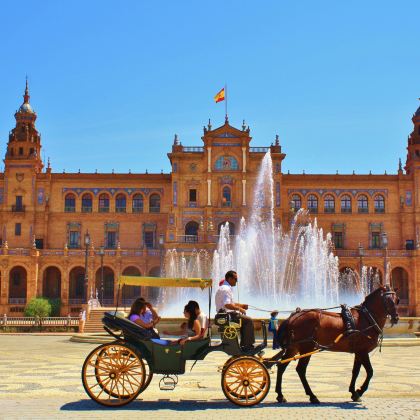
(40, 378)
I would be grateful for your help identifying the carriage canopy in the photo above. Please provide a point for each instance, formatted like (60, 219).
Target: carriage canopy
(165, 281)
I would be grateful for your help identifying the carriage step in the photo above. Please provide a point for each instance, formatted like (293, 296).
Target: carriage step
(168, 383)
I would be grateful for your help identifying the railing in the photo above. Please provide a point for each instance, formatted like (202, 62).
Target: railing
(259, 149)
(17, 301)
(379, 210)
(45, 252)
(103, 209)
(154, 209)
(227, 204)
(313, 209)
(120, 209)
(363, 210)
(19, 251)
(345, 209)
(107, 302)
(193, 149)
(66, 321)
(86, 209)
(329, 210)
(137, 209)
(77, 301)
(18, 209)
(69, 209)
(367, 253)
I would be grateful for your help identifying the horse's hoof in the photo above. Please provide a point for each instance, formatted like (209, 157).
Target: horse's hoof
(314, 400)
(355, 397)
(360, 392)
(281, 399)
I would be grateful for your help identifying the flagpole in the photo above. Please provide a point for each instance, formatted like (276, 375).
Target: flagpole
(226, 99)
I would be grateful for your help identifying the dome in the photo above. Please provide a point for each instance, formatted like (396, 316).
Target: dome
(26, 107)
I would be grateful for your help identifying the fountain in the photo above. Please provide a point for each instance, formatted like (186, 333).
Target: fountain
(276, 269)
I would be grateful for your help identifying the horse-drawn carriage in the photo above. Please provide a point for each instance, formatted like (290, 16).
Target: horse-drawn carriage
(115, 374)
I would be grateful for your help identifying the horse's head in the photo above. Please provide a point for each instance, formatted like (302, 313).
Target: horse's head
(391, 301)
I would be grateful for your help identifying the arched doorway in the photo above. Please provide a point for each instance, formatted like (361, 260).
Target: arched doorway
(399, 280)
(152, 293)
(51, 283)
(77, 287)
(373, 278)
(191, 231)
(17, 286)
(130, 293)
(105, 296)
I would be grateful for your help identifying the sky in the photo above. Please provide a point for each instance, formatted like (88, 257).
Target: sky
(112, 82)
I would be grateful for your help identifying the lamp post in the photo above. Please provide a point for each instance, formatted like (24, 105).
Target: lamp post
(101, 253)
(385, 246)
(87, 243)
(161, 241)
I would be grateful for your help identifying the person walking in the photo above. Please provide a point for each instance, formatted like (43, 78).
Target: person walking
(225, 302)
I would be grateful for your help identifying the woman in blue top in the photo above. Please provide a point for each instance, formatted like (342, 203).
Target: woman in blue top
(137, 315)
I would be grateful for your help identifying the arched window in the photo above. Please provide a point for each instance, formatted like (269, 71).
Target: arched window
(226, 197)
(104, 203)
(346, 204)
(296, 202)
(231, 228)
(226, 163)
(120, 203)
(329, 204)
(191, 232)
(362, 204)
(379, 204)
(86, 203)
(70, 203)
(313, 203)
(399, 280)
(137, 203)
(154, 203)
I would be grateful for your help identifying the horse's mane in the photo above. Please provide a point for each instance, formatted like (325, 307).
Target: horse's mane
(372, 295)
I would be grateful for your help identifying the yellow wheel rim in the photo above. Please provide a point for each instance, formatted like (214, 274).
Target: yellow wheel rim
(245, 381)
(113, 375)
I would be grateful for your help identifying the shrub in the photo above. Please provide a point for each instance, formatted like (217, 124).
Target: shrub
(55, 306)
(38, 307)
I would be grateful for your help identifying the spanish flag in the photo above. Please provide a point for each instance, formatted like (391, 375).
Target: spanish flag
(220, 96)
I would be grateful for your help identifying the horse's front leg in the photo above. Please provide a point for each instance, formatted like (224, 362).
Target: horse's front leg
(301, 370)
(281, 367)
(369, 373)
(355, 373)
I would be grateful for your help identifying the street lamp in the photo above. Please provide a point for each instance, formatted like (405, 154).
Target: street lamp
(361, 253)
(385, 246)
(161, 242)
(101, 253)
(87, 243)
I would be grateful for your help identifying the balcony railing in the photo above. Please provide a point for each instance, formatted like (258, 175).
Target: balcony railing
(363, 210)
(379, 210)
(137, 209)
(259, 149)
(18, 209)
(368, 253)
(193, 149)
(103, 209)
(77, 301)
(329, 210)
(345, 209)
(120, 209)
(69, 209)
(313, 209)
(154, 209)
(86, 209)
(17, 301)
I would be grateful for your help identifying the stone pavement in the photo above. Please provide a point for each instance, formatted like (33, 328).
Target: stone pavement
(40, 378)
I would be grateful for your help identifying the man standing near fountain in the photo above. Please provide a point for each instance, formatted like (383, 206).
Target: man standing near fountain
(225, 302)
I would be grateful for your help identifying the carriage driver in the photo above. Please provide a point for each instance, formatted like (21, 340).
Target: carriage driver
(224, 301)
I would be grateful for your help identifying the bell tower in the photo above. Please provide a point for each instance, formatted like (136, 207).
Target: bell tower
(413, 148)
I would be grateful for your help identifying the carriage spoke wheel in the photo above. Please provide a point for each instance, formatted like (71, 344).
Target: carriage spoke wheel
(245, 381)
(113, 374)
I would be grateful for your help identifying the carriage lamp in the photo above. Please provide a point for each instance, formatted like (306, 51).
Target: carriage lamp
(101, 253)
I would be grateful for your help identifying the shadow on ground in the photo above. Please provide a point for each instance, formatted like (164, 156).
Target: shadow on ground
(194, 405)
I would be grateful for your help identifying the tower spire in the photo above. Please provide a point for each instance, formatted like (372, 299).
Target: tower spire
(26, 95)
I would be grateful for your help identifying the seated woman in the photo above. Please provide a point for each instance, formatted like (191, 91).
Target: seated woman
(195, 330)
(150, 314)
(138, 315)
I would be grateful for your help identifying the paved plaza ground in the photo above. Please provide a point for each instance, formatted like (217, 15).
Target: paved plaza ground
(40, 378)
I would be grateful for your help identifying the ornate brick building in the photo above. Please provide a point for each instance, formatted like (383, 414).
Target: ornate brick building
(132, 218)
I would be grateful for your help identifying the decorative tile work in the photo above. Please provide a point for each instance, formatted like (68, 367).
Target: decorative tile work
(277, 194)
(175, 194)
(40, 195)
(226, 135)
(113, 191)
(337, 192)
(227, 144)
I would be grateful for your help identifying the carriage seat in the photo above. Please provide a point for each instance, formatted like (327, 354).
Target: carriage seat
(117, 322)
(225, 319)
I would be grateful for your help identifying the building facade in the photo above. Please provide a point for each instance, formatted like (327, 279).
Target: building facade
(66, 235)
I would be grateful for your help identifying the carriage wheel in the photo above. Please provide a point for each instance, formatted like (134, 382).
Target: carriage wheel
(245, 381)
(113, 374)
(107, 387)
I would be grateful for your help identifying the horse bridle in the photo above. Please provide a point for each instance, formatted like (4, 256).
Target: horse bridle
(392, 312)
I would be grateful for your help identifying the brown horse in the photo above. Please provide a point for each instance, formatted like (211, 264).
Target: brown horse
(308, 330)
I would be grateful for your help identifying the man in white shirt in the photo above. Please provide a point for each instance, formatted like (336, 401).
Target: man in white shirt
(224, 301)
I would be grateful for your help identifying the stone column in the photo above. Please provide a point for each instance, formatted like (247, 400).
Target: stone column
(244, 159)
(209, 159)
(244, 192)
(209, 192)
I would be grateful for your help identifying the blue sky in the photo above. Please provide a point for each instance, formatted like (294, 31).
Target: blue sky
(113, 81)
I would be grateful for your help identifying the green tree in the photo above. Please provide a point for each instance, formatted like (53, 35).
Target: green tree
(38, 307)
(55, 306)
